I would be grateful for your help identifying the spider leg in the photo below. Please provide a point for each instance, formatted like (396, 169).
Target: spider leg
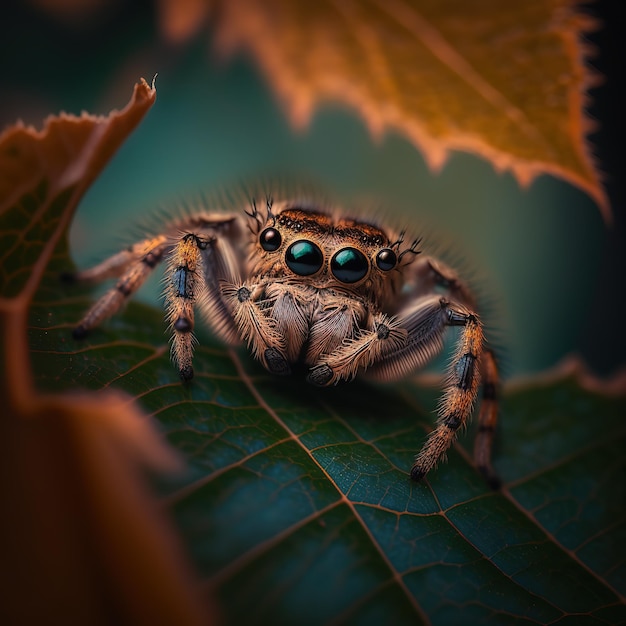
(416, 335)
(201, 257)
(247, 301)
(290, 312)
(429, 274)
(385, 335)
(201, 260)
(185, 269)
(117, 264)
(487, 419)
(132, 266)
(461, 388)
(394, 346)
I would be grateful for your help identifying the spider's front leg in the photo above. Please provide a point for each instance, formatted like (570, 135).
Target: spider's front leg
(186, 268)
(249, 305)
(426, 321)
(386, 335)
(199, 267)
(461, 388)
(422, 326)
(428, 274)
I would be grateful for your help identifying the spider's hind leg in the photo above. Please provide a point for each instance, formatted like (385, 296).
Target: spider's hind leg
(487, 419)
(131, 266)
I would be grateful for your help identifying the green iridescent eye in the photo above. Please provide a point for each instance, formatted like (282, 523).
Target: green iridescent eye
(304, 258)
(349, 265)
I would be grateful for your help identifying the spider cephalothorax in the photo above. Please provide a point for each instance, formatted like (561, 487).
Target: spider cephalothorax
(304, 285)
(303, 245)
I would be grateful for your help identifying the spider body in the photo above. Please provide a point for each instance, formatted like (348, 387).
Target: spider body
(303, 285)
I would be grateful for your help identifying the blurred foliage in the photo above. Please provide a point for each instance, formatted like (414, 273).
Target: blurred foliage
(84, 541)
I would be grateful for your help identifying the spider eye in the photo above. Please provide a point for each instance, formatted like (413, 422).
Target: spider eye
(386, 259)
(349, 265)
(304, 258)
(270, 239)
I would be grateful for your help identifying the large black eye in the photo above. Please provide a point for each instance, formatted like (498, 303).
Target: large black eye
(386, 259)
(304, 258)
(349, 265)
(270, 239)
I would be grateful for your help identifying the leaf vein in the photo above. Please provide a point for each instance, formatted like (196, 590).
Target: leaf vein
(396, 575)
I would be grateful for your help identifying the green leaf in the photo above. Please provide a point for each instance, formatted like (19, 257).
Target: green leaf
(297, 507)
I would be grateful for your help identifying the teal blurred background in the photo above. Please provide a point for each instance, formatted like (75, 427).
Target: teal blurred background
(543, 254)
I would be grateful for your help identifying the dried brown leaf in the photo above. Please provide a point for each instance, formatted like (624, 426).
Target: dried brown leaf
(505, 82)
(181, 20)
(84, 540)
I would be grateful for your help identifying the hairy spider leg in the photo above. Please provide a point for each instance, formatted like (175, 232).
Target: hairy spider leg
(429, 274)
(461, 388)
(197, 265)
(116, 265)
(183, 286)
(290, 314)
(385, 336)
(487, 418)
(132, 266)
(204, 258)
(247, 301)
(424, 323)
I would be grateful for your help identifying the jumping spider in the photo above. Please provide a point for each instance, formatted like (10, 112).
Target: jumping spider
(306, 285)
